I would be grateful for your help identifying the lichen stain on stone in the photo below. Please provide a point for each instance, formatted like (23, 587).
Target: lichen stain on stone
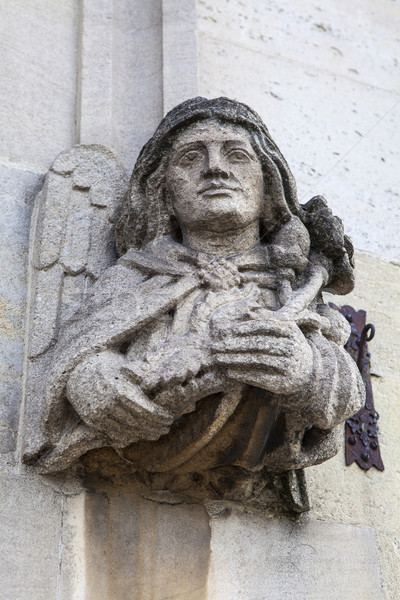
(10, 320)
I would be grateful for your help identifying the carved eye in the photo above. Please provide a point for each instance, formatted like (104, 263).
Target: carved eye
(190, 158)
(238, 156)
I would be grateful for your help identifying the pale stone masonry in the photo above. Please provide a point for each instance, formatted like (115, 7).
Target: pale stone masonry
(324, 78)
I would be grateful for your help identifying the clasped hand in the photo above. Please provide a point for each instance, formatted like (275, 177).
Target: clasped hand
(268, 353)
(110, 393)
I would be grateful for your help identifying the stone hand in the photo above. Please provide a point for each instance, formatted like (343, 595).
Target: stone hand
(177, 373)
(111, 403)
(170, 363)
(270, 354)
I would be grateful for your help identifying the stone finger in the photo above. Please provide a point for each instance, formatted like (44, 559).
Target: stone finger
(254, 344)
(252, 361)
(138, 403)
(273, 328)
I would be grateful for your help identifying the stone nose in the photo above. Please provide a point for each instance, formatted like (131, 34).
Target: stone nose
(215, 164)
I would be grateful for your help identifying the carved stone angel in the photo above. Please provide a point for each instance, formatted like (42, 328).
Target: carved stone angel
(205, 347)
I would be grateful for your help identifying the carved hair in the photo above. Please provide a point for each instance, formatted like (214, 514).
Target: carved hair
(148, 213)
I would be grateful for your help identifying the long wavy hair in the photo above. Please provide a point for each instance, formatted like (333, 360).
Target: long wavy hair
(148, 213)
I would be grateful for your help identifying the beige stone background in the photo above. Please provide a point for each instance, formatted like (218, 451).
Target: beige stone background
(325, 78)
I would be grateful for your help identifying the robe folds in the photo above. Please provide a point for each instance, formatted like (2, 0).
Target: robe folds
(170, 294)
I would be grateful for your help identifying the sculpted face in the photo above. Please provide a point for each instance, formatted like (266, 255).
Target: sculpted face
(214, 178)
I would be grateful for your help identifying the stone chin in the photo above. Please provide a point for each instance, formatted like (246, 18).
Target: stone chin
(222, 212)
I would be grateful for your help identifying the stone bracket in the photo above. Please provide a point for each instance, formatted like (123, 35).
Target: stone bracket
(361, 430)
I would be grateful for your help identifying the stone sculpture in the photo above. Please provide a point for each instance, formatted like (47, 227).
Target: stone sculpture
(205, 351)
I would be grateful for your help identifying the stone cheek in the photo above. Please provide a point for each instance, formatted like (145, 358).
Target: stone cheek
(201, 357)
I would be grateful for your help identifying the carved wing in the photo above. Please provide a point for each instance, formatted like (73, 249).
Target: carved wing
(72, 243)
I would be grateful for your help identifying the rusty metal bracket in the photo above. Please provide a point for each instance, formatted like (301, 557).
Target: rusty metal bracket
(362, 444)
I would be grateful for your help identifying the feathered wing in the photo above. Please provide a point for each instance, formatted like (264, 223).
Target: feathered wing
(72, 243)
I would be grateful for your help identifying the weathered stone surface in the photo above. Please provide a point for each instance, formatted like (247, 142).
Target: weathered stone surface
(72, 236)
(389, 556)
(293, 32)
(179, 37)
(120, 74)
(254, 558)
(18, 189)
(206, 346)
(42, 536)
(73, 547)
(324, 90)
(38, 74)
(138, 548)
(379, 509)
(91, 73)
(30, 529)
(332, 88)
(321, 106)
(137, 75)
(95, 64)
(371, 499)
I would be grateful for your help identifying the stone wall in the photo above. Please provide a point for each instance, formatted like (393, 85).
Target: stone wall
(323, 77)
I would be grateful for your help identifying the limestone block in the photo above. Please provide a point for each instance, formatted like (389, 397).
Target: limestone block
(337, 127)
(71, 583)
(94, 114)
(357, 39)
(138, 548)
(180, 73)
(19, 187)
(371, 499)
(253, 558)
(30, 521)
(38, 74)
(389, 551)
(120, 74)
(137, 75)
(377, 291)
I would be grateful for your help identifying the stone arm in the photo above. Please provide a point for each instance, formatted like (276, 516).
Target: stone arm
(310, 373)
(335, 390)
(313, 418)
(306, 374)
(89, 359)
(137, 394)
(129, 400)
